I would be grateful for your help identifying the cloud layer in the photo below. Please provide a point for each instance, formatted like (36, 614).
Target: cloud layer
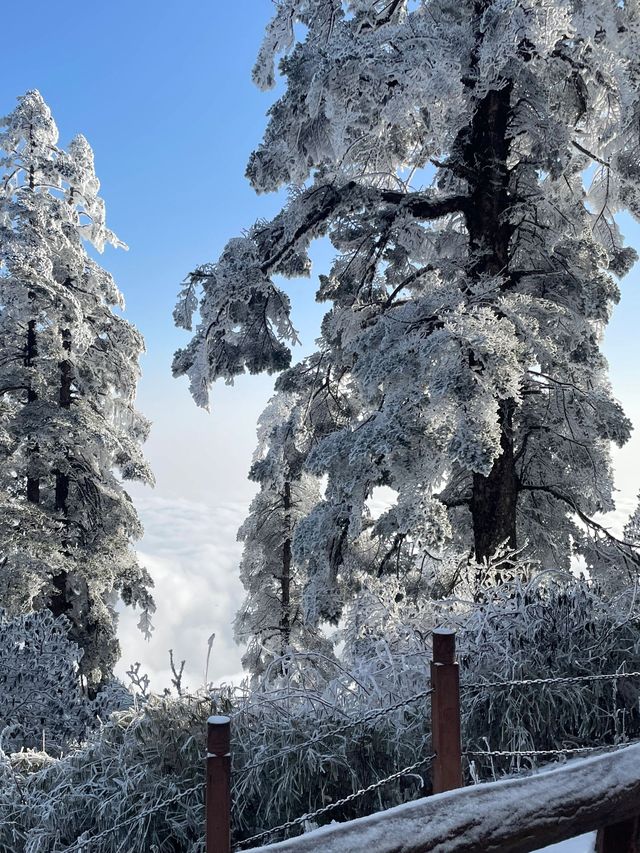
(191, 552)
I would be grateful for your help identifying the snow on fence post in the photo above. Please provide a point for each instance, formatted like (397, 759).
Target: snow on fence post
(445, 713)
(218, 797)
(621, 837)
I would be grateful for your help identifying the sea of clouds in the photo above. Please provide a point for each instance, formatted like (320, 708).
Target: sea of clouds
(191, 552)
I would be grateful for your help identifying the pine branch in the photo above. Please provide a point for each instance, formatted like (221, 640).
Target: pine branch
(351, 194)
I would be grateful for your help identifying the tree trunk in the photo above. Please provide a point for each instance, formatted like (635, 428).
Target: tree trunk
(59, 602)
(485, 150)
(494, 497)
(285, 580)
(30, 354)
(66, 374)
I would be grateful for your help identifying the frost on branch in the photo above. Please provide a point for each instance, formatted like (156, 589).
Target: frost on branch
(468, 164)
(272, 618)
(244, 321)
(69, 429)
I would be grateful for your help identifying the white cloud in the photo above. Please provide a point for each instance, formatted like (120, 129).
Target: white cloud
(190, 550)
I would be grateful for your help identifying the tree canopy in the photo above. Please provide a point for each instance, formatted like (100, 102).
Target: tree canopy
(69, 432)
(467, 162)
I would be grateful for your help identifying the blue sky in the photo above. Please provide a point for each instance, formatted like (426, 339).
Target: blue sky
(163, 93)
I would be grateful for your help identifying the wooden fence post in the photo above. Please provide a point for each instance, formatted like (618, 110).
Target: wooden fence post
(620, 837)
(218, 802)
(445, 713)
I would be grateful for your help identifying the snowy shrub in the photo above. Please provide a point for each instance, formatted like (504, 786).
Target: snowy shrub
(138, 783)
(41, 702)
(140, 758)
(549, 627)
(553, 625)
(121, 781)
(43, 705)
(310, 707)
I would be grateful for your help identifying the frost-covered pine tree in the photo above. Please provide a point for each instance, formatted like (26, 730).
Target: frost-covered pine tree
(271, 620)
(632, 527)
(467, 161)
(69, 432)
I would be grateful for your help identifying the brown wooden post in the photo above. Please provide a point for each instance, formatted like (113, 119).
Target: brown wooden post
(218, 802)
(620, 837)
(445, 713)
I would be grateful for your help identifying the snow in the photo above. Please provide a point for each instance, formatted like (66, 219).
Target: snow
(427, 352)
(517, 812)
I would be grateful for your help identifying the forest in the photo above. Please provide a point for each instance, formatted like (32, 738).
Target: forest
(441, 455)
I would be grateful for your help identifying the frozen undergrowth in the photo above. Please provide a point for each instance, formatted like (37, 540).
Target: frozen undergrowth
(154, 751)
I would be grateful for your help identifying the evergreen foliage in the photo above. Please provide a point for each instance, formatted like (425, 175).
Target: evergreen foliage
(443, 149)
(42, 706)
(69, 432)
(272, 619)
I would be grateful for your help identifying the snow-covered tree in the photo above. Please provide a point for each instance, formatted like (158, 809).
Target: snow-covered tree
(272, 619)
(467, 161)
(632, 527)
(69, 432)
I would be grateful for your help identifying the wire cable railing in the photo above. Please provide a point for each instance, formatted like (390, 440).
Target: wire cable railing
(563, 679)
(337, 804)
(570, 750)
(337, 730)
(85, 843)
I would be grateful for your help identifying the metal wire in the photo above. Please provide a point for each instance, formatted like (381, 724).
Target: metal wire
(306, 817)
(559, 680)
(81, 843)
(371, 715)
(507, 753)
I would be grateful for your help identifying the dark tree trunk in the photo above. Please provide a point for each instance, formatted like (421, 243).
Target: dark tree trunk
(494, 497)
(285, 580)
(485, 151)
(59, 602)
(30, 354)
(66, 375)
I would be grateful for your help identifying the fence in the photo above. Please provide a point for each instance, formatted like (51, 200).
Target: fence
(520, 814)
(533, 811)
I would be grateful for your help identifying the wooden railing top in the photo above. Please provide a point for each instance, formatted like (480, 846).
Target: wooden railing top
(516, 815)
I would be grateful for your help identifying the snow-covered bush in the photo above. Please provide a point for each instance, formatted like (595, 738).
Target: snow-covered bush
(139, 759)
(42, 705)
(545, 629)
(313, 713)
(140, 778)
(121, 781)
(553, 625)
